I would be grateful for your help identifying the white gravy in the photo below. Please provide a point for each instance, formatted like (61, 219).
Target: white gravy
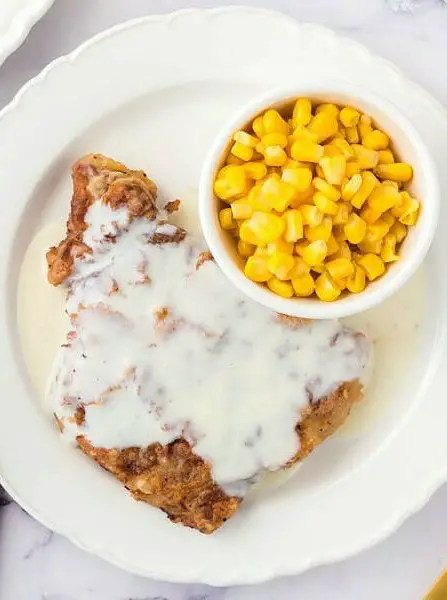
(219, 370)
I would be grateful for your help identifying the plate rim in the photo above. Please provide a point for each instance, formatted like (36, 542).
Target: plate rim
(419, 499)
(21, 25)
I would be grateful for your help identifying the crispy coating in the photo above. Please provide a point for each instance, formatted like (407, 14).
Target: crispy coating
(171, 478)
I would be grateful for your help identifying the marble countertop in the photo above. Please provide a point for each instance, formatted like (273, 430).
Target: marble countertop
(36, 564)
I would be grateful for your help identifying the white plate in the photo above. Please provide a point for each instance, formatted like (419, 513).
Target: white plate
(16, 19)
(153, 93)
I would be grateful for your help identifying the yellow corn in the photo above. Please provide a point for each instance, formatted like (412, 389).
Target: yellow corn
(383, 197)
(303, 134)
(369, 215)
(274, 139)
(246, 234)
(334, 169)
(258, 127)
(369, 182)
(301, 198)
(386, 157)
(328, 107)
(226, 219)
(328, 207)
(302, 112)
(300, 179)
(275, 156)
(231, 181)
(276, 193)
(407, 209)
(306, 151)
(400, 231)
(344, 251)
(395, 184)
(319, 269)
(267, 227)
(234, 160)
(326, 188)
(339, 232)
(339, 268)
(343, 212)
(365, 126)
(344, 148)
(389, 219)
(245, 249)
(311, 215)
(373, 266)
(332, 150)
(368, 246)
(324, 124)
(256, 269)
(279, 246)
(349, 117)
(246, 139)
(357, 282)
(395, 171)
(355, 229)
(326, 289)
(314, 253)
(352, 168)
(299, 268)
(377, 230)
(243, 152)
(366, 158)
(241, 209)
(388, 253)
(332, 245)
(350, 189)
(261, 251)
(293, 220)
(274, 123)
(279, 264)
(319, 232)
(255, 170)
(352, 135)
(303, 286)
(376, 140)
(280, 288)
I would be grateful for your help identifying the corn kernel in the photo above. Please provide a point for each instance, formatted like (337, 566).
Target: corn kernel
(386, 157)
(365, 126)
(324, 125)
(376, 140)
(357, 282)
(245, 249)
(400, 231)
(275, 156)
(344, 251)
(303, 286)
(301, 198)
(352, 135)
(315, 253)
(369, 182)
(339, 268)
(306, 151)
(319, 232)
(326, 188)
(261, 251)
(328, 207)
(244, 138)
(373, 266)
(344, 148)
(355, 229)
(377, 231)
(231, 181)
(329, 108)
(267, 227)
(334, 169)
(294, 164)
(258, 127)
(243, 152)
(409, 219)
(226, 219)
(279, 264)
(319, 269)
(234, 160)
(319, 171)
(332, 245)
(256, 269)
(279, 246)
(299, 268)
(326, 289)
(350, 189)
(241, 209)
(343, 212)
(293, 225)
(255, 170)
(274, 139)
(368, 246)
(303, 134)
(311, 215)
(302, 112)
(349, 117)
(367, 159)
(406, 210)
(332, 150)
(300, 178)
(280, 288)
(388, 253)
(274, 123)
(352, 168)
(383, 197)
(395, 171)
(246, 234)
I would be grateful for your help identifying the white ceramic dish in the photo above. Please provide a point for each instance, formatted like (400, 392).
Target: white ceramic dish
(155, 110)
(410, 148)
(16, 19)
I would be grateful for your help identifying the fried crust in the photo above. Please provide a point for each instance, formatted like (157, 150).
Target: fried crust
(172, 478)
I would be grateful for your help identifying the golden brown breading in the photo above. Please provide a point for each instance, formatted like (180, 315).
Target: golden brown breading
(171, 477)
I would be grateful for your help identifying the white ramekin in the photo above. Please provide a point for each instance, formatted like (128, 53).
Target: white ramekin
(408, 145)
